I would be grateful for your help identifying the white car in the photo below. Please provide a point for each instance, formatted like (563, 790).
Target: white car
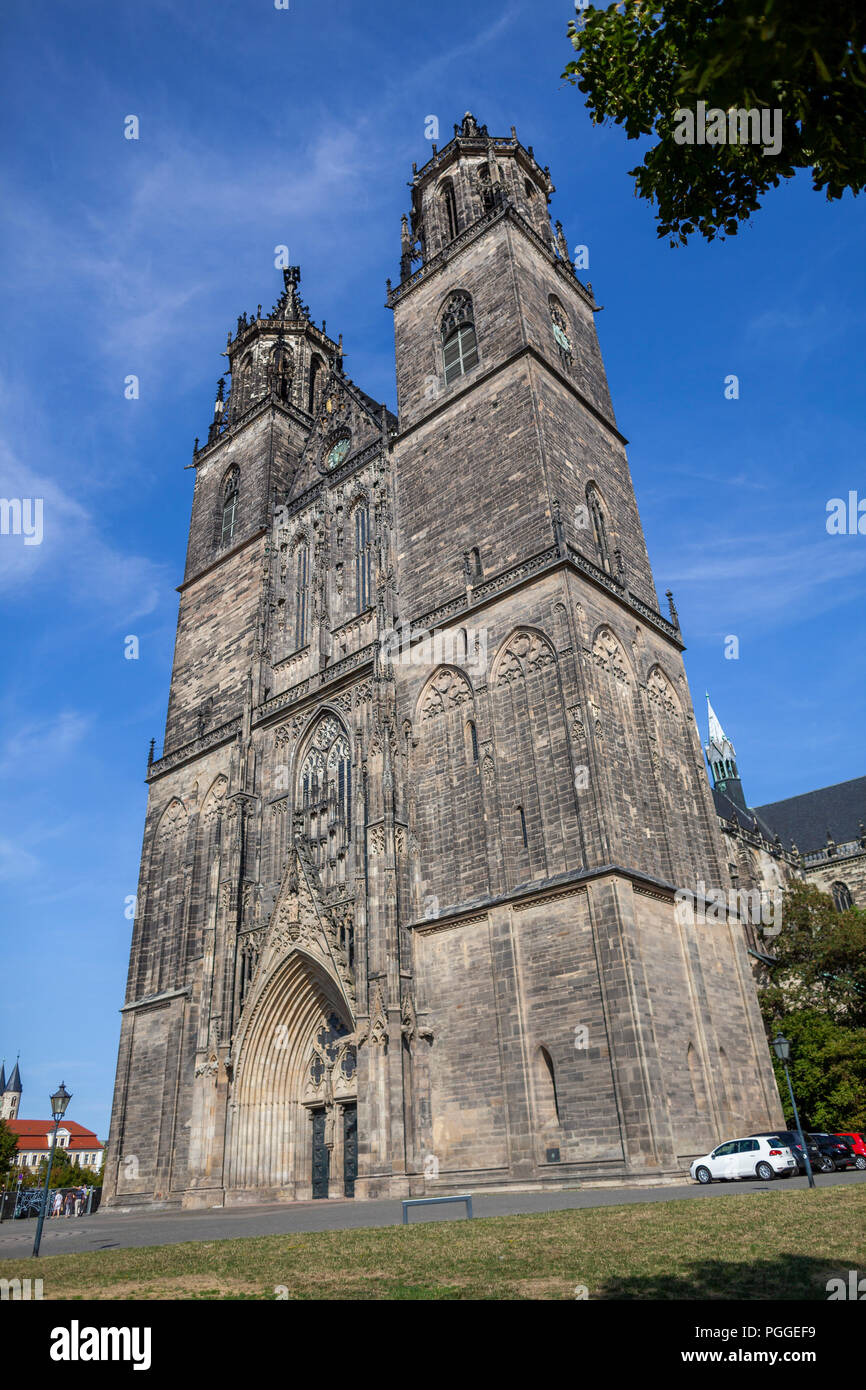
(745, 1158)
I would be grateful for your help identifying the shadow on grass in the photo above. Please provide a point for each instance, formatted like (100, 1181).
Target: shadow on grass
(785, 1277)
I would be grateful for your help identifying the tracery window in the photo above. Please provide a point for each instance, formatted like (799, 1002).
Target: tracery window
(325, 788)
(842, 898)
(231, 488)
(459, 343)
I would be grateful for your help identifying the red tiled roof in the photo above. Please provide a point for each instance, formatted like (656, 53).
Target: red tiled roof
(33, 1134)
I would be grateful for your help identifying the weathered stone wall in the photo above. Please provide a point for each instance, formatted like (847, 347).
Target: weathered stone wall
(850, 870)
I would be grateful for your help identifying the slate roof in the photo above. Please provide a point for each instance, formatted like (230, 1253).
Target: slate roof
(806, 819)
(729, 810)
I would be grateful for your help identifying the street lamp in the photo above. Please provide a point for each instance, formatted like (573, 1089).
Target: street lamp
(782, 1049)
(59, 1102)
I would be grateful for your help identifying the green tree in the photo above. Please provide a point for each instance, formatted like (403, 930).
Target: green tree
(64, 1173)
(820, 957)
(828, 1073)
(816, 993)
(8, 1142)
(638, 64)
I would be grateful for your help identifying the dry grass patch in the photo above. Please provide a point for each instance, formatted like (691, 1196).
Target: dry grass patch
(774, 1245)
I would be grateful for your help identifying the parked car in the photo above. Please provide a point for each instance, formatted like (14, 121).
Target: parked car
(791, 1139)
(755, 1157)
(858, 1144)
(839, 1153)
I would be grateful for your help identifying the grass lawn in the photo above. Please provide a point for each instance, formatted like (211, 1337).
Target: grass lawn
(774, 1245)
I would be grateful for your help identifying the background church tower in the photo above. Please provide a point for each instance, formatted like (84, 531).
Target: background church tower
(10, 1094)
(722, 759)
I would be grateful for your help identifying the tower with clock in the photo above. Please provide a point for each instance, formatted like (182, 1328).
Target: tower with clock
(409, 914)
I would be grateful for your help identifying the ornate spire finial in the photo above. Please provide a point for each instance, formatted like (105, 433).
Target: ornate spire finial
(675, 617)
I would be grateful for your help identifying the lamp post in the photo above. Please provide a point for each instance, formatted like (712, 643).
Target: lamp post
(782, 1049)
(59, 1102)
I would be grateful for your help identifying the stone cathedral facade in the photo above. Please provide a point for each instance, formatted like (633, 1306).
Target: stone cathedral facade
(431, 775)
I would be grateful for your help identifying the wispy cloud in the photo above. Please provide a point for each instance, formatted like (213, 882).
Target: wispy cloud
(73, 558)
(765, 579)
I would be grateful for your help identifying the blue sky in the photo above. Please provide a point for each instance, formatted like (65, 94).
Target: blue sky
(261, 127)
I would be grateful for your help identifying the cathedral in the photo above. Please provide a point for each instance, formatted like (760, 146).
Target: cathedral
(431, 779)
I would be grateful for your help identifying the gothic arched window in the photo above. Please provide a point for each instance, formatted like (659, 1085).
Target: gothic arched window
(560, 330)
(472, 741)
(244, 385)
(593, 502)
(324, 792)
(231, 488)
(459, 344)
(315, 388)
(302, 580)
(842, 898)
(282, 366)
(547, 1097)
(362, 559)
(449, 208)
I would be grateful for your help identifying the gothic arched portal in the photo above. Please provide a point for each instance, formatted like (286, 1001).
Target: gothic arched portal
(292, 1111)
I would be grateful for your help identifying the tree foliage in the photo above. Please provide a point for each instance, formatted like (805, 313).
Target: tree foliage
(816, 994)
(8, 1142)
(639, 63)
(828, 1073)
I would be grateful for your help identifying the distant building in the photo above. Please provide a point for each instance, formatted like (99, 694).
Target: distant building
(827, 830)
(34, 1142)
(10, 1093)
(818, 836)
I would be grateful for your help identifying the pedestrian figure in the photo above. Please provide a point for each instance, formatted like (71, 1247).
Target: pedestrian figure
(57, 1203)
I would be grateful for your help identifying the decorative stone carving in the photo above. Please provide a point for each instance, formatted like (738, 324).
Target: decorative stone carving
(445, 691)
(660, 692)
(213, 802)
(173, 821)
(524, 652)
(609, 655)
(378, 1017)
(578, 729)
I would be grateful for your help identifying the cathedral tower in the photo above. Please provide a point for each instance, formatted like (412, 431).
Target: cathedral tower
(10, 1094)
(431, 789)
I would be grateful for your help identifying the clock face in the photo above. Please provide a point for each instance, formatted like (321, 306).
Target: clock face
(338, 452)
(561, 337)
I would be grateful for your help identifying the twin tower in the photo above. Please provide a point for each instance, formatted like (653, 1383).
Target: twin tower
(431, 776)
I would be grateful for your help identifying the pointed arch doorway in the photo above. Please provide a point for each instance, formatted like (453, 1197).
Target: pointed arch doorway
(293, 1125)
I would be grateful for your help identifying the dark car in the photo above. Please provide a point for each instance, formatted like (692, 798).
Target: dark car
(836, 1152)
(792, 1140)
(858, 1144)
